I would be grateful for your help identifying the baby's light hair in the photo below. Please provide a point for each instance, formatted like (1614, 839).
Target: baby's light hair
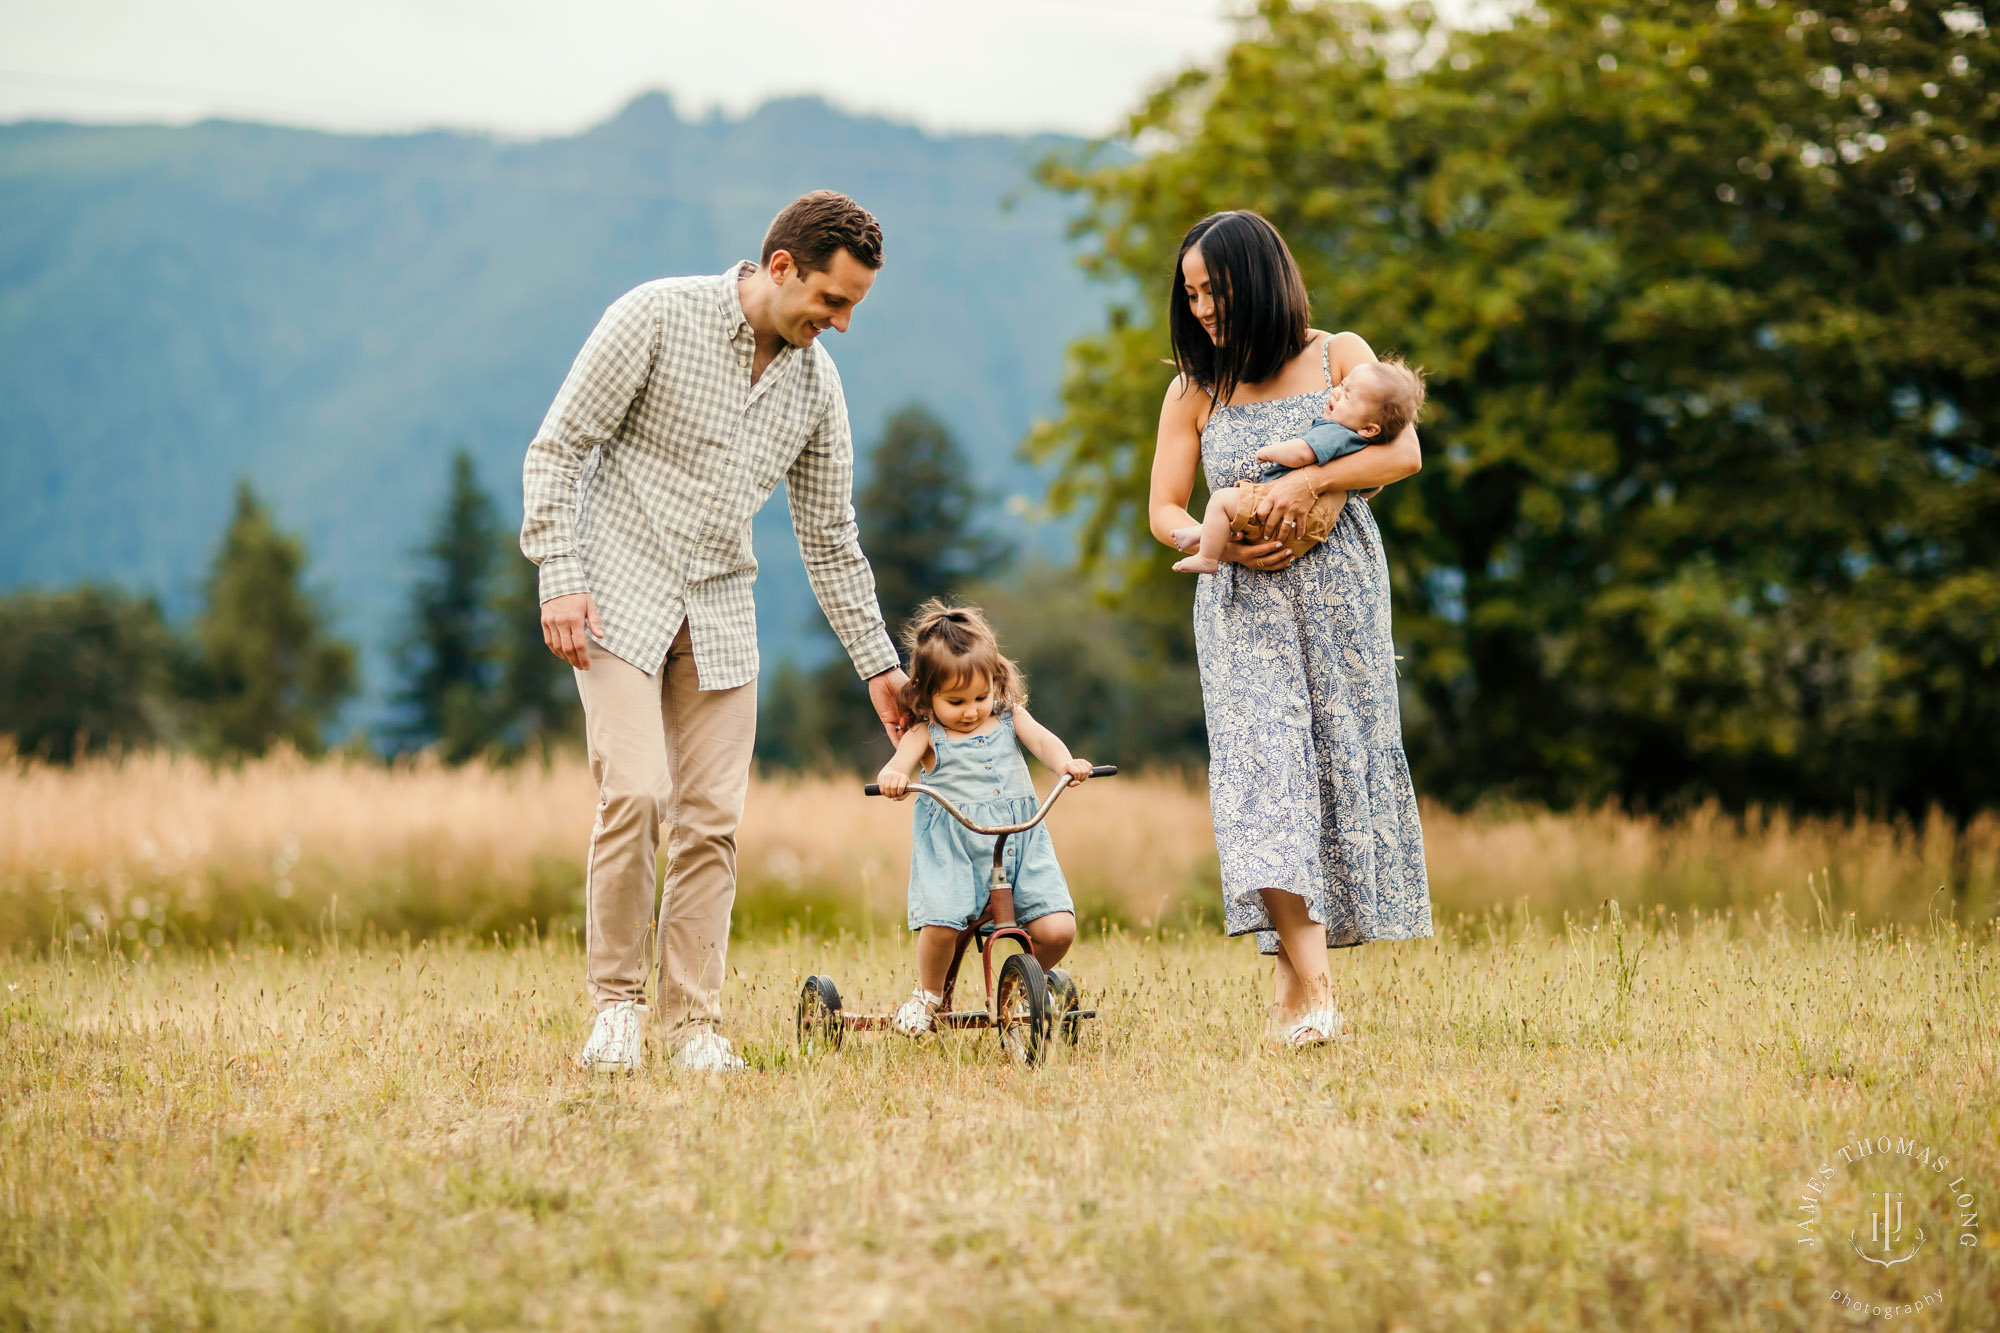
(1398, 392)
(949, 645)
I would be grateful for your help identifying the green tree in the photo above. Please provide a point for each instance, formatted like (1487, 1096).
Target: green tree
(917, 515)
(448, 655)
(536, 703)
(269, 670)
(86, 669)
(1710, 503)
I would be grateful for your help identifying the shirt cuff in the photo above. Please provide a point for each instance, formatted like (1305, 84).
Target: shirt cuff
(561, 576)
(875, 654)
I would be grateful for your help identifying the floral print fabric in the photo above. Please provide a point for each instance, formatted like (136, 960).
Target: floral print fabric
(1308, 783)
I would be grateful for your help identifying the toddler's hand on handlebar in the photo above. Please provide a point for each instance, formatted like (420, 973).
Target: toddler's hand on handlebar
(895, 783)
(1078, 770)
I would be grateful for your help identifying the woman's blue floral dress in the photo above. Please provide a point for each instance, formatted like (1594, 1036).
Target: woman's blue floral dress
(1307, 779)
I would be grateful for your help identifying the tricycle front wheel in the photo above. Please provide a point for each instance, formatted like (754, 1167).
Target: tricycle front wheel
(1021, 1009)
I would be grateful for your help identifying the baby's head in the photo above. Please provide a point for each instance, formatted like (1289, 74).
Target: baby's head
(958, 675)
(1378, 398)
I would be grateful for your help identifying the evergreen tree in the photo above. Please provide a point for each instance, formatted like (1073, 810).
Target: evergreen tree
(917, 520)
(86, 669)
(448, 655)
(537, 702)
(269, 671)
(916, 515)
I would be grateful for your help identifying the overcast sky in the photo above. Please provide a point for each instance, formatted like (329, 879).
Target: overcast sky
(540, 67)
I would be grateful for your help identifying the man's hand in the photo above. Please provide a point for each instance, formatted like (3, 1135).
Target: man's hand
(886, 693)
(564, 622)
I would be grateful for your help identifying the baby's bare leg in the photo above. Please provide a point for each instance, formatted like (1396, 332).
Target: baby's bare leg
(1215, 521)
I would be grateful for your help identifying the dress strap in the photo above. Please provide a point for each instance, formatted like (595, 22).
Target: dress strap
(1326, 360)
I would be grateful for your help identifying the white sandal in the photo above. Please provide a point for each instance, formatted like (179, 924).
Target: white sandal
(1321, 1025)
(913, 1019)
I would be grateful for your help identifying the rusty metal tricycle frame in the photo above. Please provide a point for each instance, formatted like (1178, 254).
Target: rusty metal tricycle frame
(822, 1022)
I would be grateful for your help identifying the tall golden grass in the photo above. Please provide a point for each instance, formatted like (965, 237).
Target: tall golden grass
(157, 847)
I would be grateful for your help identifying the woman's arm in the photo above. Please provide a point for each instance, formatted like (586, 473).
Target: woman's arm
(1291, 496)
(1046, 746)
(1176, 455)
(896, 775)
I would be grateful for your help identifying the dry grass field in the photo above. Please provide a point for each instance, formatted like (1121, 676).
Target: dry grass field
(166, 849)
(240, 1103)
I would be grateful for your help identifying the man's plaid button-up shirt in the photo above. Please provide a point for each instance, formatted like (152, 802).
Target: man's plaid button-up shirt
(658, 451)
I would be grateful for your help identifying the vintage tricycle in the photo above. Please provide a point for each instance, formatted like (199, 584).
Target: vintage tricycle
(1024, 1006)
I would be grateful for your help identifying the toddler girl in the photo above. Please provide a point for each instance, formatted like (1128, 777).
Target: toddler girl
(968, 702)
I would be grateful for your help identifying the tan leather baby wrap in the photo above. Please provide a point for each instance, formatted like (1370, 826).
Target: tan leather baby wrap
(1246, 527)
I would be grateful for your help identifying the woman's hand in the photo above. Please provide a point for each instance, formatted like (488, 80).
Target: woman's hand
(1257, 555)
(894, 782)
(1285, 505)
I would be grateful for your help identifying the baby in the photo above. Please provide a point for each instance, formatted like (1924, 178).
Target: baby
(1370, 406)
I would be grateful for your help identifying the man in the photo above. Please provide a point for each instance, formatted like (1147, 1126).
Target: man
(690, 401)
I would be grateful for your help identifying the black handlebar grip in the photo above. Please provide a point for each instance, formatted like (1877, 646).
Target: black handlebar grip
(1105, 771)
(872, 789)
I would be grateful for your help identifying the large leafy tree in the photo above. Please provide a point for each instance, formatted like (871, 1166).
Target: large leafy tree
(269, 670)
(1710, 503)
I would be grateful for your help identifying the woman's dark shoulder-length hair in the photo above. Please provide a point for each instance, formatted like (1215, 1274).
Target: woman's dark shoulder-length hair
(1260, 304)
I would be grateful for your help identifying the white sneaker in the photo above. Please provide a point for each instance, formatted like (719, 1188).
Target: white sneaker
(617, 1042)
(709, 1053)
(1321, 1025)
(914, 1018)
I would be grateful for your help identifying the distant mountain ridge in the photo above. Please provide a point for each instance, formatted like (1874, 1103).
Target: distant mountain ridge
(330, 314)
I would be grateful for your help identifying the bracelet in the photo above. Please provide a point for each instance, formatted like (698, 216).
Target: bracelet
(1311, 489)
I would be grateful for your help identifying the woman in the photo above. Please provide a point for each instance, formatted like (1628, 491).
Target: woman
(1315, 821)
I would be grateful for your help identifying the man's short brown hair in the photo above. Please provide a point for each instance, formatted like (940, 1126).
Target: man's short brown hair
(814, 227)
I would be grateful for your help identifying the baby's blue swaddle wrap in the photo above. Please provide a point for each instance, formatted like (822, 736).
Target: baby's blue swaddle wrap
(986, 777)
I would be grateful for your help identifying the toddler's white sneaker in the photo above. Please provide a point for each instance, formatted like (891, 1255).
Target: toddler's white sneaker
(1321, 1025)
(914, 1018)
(617, 1040)
(709, 1052)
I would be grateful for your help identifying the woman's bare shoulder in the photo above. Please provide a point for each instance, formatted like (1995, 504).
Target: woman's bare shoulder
(1185, 397)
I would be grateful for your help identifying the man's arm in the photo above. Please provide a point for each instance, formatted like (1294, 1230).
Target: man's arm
(819, 489)
(588, 410)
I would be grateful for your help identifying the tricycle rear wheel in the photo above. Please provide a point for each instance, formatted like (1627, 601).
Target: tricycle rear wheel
(1063, 1004)
(820, 1023)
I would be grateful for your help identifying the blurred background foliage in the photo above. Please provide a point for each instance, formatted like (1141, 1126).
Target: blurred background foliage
(1709, 510)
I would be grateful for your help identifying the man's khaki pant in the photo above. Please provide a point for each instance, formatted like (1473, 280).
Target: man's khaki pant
(663, 752)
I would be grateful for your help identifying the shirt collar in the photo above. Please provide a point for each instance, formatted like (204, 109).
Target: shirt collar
(734, 322)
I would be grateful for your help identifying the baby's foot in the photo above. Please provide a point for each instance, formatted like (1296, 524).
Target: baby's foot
(1197, 564)
(1186, 539)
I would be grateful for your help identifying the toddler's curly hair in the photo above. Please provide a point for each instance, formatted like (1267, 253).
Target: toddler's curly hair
(950, 645)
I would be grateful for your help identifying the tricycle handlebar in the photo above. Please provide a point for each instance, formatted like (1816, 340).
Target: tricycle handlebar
(1048, 803)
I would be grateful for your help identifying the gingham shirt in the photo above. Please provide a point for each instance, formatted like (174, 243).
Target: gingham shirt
(658, 451)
